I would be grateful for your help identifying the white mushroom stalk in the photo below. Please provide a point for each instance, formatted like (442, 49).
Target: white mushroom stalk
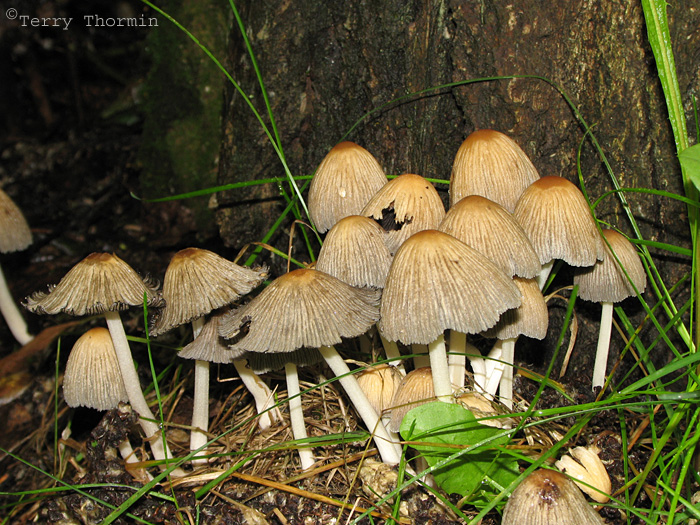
(200, 405)
(262, 395)
(296, 414)
(12, 315)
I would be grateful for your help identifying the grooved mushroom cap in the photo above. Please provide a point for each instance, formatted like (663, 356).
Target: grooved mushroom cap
(530, 319)
(492, 230)
(100, 283)
(355, 251)
(344, 182)
(546, 497)
(264, 363)
(558, 221)
(208, 346)
(491, 164)
(379, 383)
(605, 281)
(92, 377)
(301, 308)
(416, 388)
(405, 205)
(198, 281)
(436, 283)
(15, 234)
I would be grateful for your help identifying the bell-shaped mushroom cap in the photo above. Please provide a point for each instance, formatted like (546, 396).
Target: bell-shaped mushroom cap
(198, 281)
(15, 234)
(301, 308)
(530, 319)
(355, 252)
(492, 230)
(491, 164)
(558, 221)
(208, 345)
(546, 497)
(416, 388)
(92, 376)
(379, 383)
(606, 281)
(344, 182)
(436, 283)
(405, 205)
(100, 283)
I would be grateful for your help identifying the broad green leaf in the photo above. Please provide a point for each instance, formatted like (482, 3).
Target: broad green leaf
(690, 160)
(445, 431)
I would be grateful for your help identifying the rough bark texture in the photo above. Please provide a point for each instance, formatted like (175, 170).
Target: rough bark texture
(325, 64)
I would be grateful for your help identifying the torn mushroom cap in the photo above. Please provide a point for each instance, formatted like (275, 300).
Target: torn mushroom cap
(606, 281)
(301, 308)
(344, 182)
(405, 205)
(92, 377)
(530, 319)
(432, 278)
(489, 228)
(558, 221)
(588, 468)
(208, 346)
(548, 497)
(100, 283)
(379, 383)
(355, 252)
(491, 164)
(416, 388)
(15, 234)
(198, 281)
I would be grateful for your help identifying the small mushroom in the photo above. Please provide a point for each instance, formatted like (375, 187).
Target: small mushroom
(583, 464)
(415, 389)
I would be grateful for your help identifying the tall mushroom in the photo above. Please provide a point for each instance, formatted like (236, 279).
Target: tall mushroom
(309, 308)
(104, 284)
(15, 235)
(196, 282)
(609, 282)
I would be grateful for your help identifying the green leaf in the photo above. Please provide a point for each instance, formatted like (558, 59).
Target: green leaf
(469, 455)
(690, 161)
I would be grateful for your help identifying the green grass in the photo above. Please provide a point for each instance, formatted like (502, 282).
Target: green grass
(668, 397)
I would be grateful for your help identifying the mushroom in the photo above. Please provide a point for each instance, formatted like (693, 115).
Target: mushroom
(344, 182)
(104, 284)
(415, 389)
(491, 164)
(546, 497)
(438, 283)
(557, 219)
(379, 383)
(309, 308)
(584, 465)
(15, 235)
(196, 282)
(405, 205)
(608, 282)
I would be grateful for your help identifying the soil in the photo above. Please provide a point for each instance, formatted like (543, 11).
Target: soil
(69, 149)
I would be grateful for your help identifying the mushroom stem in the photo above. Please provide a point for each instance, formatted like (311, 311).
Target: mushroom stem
(133, 387)
(508, 357)
(457, 360)
(421, 358)
(11, 313)
(296, 414)
(264, 401)
(200, 406)
(388, 450)
(391, 349)
(544, 274)
(601, 355)
(127, 454)
(441, 374)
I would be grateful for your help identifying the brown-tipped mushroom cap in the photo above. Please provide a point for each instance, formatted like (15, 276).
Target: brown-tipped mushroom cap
(547, 497)
(491, 164)
(92, 376)
(355, 252)
(198, 281)
(379, 383)
(208, 346)
(405, 205)
(302, 308)
(436, 283)
(489, 228)
(100, 283)
(15, 234)
(558, 221)
(416, 388)
(605, 281)
(530, 319)
(344, 182)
